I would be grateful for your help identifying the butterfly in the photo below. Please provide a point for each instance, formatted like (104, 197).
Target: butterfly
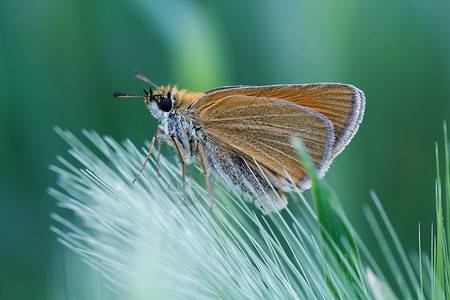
(243, 134)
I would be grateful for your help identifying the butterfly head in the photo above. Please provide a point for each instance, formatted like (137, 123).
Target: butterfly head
(160, 103)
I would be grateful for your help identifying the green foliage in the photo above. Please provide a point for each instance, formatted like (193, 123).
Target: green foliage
(439, 260)
(338, 243)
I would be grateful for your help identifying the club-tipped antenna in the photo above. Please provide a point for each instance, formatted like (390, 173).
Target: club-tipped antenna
(143, 78)
(146, 94)
(122, 95)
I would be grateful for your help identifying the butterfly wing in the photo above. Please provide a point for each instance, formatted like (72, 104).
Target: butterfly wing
(342, 104)
(260, 130)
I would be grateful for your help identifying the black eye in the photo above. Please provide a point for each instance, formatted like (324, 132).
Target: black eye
(165, 104)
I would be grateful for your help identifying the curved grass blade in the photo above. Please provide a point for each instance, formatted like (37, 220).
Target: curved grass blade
(338, 243)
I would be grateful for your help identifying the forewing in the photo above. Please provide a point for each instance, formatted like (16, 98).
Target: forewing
(342, 104)
(262, 129)
(227, 88)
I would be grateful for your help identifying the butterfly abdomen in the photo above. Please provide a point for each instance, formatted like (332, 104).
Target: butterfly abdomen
(241, 176)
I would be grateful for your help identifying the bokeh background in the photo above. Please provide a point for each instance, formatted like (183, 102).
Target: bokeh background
(61, 61)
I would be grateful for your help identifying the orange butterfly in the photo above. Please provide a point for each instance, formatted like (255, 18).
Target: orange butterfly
(244, 133)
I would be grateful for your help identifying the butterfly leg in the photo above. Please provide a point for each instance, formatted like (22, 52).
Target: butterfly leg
(150, 150)
(207, 178)
(158, 133)
(183, 164)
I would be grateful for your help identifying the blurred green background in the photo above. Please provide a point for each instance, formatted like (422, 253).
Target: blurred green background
(60, 62)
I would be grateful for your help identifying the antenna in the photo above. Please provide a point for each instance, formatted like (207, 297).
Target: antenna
(122, 95)
(146, 94)
(143, 78)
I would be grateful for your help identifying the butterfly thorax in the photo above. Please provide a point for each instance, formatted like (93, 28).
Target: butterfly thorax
(177, 120)
(185, 132)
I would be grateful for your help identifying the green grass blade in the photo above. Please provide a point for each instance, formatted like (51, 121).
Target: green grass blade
(399, 249)
(338, 240)
(447, 181)
(420, 266)
(440, 280)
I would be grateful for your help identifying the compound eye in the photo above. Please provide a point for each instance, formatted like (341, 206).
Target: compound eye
(165, 104)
